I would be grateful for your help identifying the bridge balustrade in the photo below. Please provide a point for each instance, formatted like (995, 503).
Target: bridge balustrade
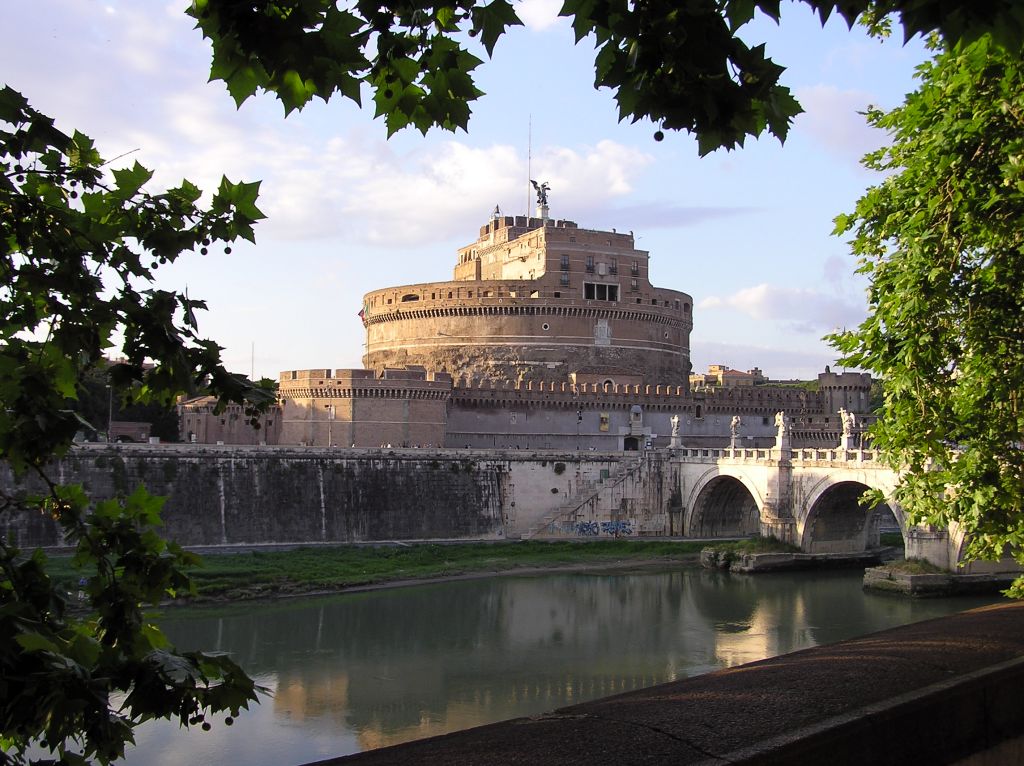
(800, 455)
(834, 456)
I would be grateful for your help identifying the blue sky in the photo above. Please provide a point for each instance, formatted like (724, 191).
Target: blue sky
(746, 233)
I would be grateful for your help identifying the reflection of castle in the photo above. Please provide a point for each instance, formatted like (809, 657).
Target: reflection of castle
(549, 336)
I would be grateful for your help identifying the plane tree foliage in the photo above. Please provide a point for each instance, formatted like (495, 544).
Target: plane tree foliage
(79, 245)
(941, 239)
(683, 64)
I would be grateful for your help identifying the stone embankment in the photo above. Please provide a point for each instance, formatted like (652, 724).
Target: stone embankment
(935, 584)
(234, 495)
(779, 561)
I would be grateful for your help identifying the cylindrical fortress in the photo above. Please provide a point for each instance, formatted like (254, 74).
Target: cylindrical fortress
(536, 299)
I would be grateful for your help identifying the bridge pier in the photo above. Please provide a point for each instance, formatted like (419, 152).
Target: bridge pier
(780, 529)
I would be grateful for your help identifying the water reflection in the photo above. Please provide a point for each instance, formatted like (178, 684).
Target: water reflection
(367, 670)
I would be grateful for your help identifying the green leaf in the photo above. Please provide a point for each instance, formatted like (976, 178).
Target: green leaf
(33, 642)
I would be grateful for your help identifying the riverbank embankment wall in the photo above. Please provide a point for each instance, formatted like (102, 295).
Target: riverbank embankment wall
(231, 495)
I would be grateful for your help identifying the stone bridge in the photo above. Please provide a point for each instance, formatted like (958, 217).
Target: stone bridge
(807, 497)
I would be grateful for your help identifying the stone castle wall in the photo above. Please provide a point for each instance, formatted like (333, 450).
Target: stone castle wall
(409, 408)
(233, 495)
(345, 408)
(495, 334)
(252, 495)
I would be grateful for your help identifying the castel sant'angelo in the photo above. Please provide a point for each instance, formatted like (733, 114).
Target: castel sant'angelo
(548, 336)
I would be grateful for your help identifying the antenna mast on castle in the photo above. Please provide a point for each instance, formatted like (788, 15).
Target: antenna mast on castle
(529, 162)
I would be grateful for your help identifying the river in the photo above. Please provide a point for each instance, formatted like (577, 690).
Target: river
(364, 670)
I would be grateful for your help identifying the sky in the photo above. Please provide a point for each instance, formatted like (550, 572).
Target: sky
(747, 233)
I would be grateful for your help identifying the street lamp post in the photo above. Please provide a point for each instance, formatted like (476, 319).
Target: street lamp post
(110, 411)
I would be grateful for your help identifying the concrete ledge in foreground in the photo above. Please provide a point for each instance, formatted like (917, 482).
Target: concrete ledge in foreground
(945, 691)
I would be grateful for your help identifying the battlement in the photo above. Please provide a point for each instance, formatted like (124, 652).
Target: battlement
(526, 223)
(411, 382)
(575, 389)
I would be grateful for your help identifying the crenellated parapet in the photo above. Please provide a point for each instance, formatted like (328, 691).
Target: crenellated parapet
(563, 395)
(324, 383)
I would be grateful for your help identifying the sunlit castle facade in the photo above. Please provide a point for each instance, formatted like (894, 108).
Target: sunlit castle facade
(548, 336)
(537, 299)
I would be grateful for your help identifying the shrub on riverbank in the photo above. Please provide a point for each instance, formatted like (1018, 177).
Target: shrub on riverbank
(914, 566)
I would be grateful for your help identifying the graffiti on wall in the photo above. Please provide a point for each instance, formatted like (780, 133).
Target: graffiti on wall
(598, 528)
(617, 528)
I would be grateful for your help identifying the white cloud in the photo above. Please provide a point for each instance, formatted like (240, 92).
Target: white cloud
(776, 363)
(538, 14)
(833, 118)
(800, 309)
(450, 189)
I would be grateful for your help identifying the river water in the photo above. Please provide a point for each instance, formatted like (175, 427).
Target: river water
(365, 670)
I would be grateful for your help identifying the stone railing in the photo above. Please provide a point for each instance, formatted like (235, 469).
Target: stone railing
(800, 455)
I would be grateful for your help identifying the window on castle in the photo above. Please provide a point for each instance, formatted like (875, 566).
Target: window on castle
(599, 292)
(634, 284)
(565, 278)
(698, 412)
(635, 268)
(565, 263)
(590, 264)
(613, 267)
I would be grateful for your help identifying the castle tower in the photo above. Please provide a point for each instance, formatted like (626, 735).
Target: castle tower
(537, 299)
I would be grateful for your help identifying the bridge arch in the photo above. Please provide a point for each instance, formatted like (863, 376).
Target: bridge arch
(836, 522)
(723, 505)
